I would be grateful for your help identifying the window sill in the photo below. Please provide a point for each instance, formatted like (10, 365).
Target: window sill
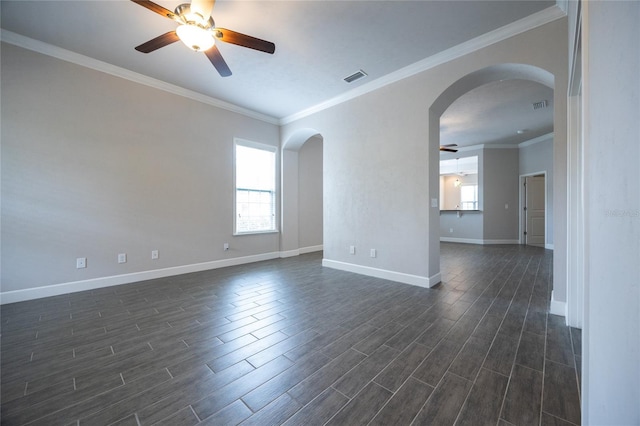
(240, 234)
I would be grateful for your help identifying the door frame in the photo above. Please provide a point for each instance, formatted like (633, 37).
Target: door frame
(522, 217)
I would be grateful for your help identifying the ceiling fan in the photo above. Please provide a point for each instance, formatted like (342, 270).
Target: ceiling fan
(448, 148)
(198, 31)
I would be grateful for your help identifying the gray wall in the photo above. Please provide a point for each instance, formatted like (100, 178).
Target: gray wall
(538, 157)
(94, 165)
(611, 336)
(310, 193)
(500, 189)
(468, 226)
(381, 169)
(501, 168)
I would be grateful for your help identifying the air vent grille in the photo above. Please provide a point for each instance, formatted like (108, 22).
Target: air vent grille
(540, 105)
(355, 76)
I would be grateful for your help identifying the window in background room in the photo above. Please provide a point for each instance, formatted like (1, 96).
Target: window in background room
(469, 197)
(255, 181)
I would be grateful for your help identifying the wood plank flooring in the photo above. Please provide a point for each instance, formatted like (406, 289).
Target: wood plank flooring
(290, 342)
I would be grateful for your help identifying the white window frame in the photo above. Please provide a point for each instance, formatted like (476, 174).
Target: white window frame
(265, 147)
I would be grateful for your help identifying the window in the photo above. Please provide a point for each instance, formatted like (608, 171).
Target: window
(469, 197)
(255, 181)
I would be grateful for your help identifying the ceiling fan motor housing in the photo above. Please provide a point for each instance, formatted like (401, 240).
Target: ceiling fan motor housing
(194, 18)
(196, 30)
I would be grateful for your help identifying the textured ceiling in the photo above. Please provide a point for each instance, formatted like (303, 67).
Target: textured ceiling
(318, 43)
(495, 112)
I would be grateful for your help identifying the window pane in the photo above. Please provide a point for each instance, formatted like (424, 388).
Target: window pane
(255, 168)
(469, 197)
(255, 189)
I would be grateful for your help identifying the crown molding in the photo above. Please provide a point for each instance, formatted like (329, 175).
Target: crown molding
(489, 145)
(541, 138)
(87, 62)
(525, 24)
(520, 26)
(500, 146)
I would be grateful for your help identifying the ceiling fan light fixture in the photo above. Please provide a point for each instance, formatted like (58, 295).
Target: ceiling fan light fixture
(195, 38)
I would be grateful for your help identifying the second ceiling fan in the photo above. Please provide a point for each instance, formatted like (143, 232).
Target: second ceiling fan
(448, 147)
(198, 31)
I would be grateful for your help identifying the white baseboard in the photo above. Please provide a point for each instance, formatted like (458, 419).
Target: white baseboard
(476, 241)
(557, 308)
(91, 284)
(501, 242)
(383, 273)
(311, 249)
(435, 279)
(460, 240)
(290, 253)
(302, 250)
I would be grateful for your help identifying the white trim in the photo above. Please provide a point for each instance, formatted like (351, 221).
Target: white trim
(548, 246)
(383, 273)
(85, 61)
(435, 279)
(245, 143)
(500, 241)
(500, 146)
(311, 249)
(521, 200)
(541, 138)
(476, 241)
(290, 253)
(557, 308)
(530, 22)
(93, 283)
(489, 145)
(461, 240)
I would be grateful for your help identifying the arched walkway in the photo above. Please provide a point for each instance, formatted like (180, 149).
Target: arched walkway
(295, 189)
(443, 101)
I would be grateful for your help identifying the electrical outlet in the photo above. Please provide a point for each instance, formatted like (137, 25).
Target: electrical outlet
(154, 254)
(450, 229)
(122, 258)
(373, 253)
(225, 246)
(81, 263)
(352, 249)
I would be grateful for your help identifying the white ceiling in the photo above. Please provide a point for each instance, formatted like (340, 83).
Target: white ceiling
(495, 112)
(318, 43)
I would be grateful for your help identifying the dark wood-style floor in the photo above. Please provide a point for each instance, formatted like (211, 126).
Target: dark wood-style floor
(288, 341)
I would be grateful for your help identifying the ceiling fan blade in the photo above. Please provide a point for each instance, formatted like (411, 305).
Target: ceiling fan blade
(244, 40)
(158, 42)
(218, 61)
(450, 144)
(448, 149)
(203, 7)
(157, 9)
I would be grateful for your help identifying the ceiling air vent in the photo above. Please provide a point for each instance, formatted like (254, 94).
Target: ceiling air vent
(355, 76)
(540, 105)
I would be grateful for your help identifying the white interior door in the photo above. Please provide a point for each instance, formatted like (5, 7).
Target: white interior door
(534, 207)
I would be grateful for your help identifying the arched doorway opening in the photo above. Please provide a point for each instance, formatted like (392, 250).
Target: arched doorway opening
(464, 85)
(301, 226)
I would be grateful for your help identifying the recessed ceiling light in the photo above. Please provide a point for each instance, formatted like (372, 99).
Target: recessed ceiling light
(522, 131)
